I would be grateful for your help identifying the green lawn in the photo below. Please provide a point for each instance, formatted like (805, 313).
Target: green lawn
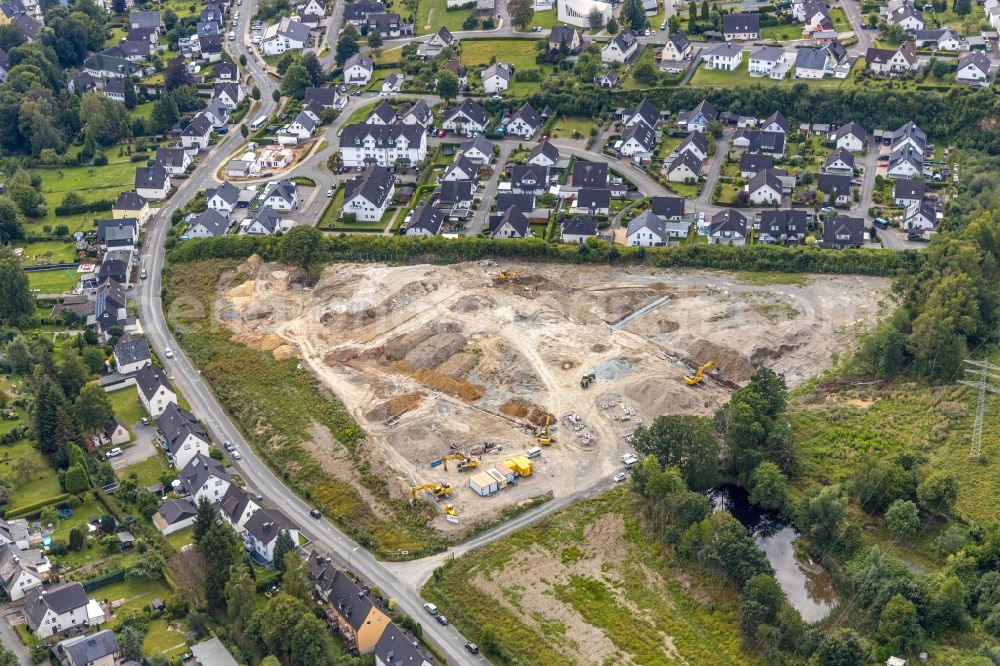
(39, 481)
(567, 126)
(602, 568)
(359, 114)
(432, 14)
(125, 403)
(182, 538)
(546, 19)
(839, 18)
(781, 33)
(81, 513)
(135, 593)
(57, 281)
(648, 55)
(49, 252)
(391, 55)
(740, 77)
(686, 190)
(164, 639)
(518, 52)
(147, 472)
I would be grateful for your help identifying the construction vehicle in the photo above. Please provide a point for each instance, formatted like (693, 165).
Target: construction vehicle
(442, 489)
(450, 509)
(545, 438)
(466, 462)
(504, 276)
(587, 380)
(698, 376)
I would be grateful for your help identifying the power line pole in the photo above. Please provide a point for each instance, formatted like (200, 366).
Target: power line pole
(985, 373)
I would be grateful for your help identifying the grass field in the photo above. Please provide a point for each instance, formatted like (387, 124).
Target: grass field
(546, 19)
(57, 281)
(432, 14)
(359, 114)
(135, 593)
(279, 408)
(163, 639)
(147, 472)
(40, 481)
(49, 252)
(566, 127)
(518, 52)
(126, 405)
(740, 77)
(590, 582)
(390, 55)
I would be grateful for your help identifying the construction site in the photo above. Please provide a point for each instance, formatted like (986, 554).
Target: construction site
(482, 386)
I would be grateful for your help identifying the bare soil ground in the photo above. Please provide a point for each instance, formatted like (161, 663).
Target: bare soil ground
(433, 359)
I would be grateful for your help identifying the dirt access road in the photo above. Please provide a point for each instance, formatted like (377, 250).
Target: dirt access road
(432, 359)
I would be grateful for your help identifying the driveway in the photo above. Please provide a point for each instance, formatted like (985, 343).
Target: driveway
(144, 448)
(9, 637)
(894, 239)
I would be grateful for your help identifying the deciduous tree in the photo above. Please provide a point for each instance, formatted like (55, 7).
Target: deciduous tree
(687, 442)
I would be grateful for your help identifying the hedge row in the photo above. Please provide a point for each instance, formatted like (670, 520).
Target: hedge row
(87, 207)
(36, 507)
(399, 248)
(104, 581)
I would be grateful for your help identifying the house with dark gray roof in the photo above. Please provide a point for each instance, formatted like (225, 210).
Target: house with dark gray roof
(523, 202)
(262, 530)
(510, 224)
(834, 187)
(907, 192)
(204, 476)
(325, 97)
(454, 197)
(131, 354)
(525, 122)
(223, 198)
(728, 227)
(368, 196)
(740, 27)
(578, 229)
(668, 208)
(175, 160)
(752, 163)
(383, 145)
(637, 142)
(529, 179)
(152, 183)
(383, 114)
(564, 36)
(466, 118)
(265, 222)
(544, 154)
(783, 226)
(51, 610)
(174, 515)
(478, 150)
(590, 174)
(21, 570)
(592, 201)
(181, 435)
(119, 234)
(155, 389)
(209, 223)
(842, 231)
(644, 112)
(394, 648)
(96, 649)
(646, 230)
(236, 507)
(417, 114)
(851, 136)
(426, 221)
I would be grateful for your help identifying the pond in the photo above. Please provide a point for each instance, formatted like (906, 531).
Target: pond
(807, 585)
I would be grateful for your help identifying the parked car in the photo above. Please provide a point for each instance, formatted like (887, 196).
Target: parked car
(620, 476)
(144, 420)
(168, 352)
(315, 513)
(431, 608)
(228, 446)
(881, 223)
(329, 192)
(143, 275)
(472, 648)
(442, 620)
(236, 455)
(114, 453)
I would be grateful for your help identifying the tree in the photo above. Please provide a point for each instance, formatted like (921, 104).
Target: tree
(311, 642)
(77, 539)
(938, 492)
(645, 72)
(902, 519)
(841, 647)
(131, 97)
(704, 10)
(187, 573)
(255, 92)
(374, 39)
(693, 17)
(276, 95)
(447, 85)
(16, 302)
(270, 660)
(296, 80)
(11, 222)
(823, 513)
(347, 44)
(595, 19)
(768, 487)
(962, 7)
(277, 626)
(282, 546)
(218, 547)
(93, 408)
(302, 246)
(77, 480)
(169, 18)
(244, 132)
(898, 624)
(722, 543)
(612, 26)
(49, 402)
(19, 357)
(877, 483)
(73, 374)
(177, 74)
(949, 605)
(314, 67)
(130, 641)
(521, 12)
(204, 519)
(688, 442)
(240, 595)
(633, 15)
(295, 579)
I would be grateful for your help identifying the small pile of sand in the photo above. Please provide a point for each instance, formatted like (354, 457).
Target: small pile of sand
(435, 350)
(520, 408)
(394, 406)
(285, 352)
(244, 290)
(398, 347)
(265, 342)
(458, 365)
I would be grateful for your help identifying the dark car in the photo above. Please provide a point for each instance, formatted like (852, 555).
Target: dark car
(267, 174)
(315, 513)
(472, 648)
(441, 619)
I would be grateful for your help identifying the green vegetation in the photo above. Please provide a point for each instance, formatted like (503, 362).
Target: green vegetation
(37, 481)
(58, 281)
(432, 14)
(571, 127)
(618, 579)
(282, 410)
(741, 77)
(126, 406)
(163, 639)
(518, 52)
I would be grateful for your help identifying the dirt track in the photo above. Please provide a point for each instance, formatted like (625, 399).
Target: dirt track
(431, 359)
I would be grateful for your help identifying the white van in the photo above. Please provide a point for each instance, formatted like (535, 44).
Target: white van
(629, 459)
(533, 452)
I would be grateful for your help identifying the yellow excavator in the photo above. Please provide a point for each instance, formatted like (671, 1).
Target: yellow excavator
(503, 276)
(698, 376)
(442, 489)
(450, 509)
(465, 462)
(545, 438)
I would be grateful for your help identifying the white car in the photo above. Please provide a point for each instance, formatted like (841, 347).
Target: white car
(113, 453)
(168, 352)
(431, 608)
(620, 476)
(329, 192)
(236, 455)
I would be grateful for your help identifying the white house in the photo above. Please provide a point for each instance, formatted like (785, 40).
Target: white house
(285, 35)
(941, 39)
(740, 27)
(769, 61)
(152, 183)
(811, 63)
(907, 192)
(889, 62)
(196, 136)
(646, 230)
(174, 515)
(683, 168)
(358, 70)
(511, 224)
(577, 12)
(696, 144)
(368, 196)
(236, 507)
(155, 389)
(204, 476)
(209, 223)
(497, 77)
(21, 570)
(578, 229)
(313, 8)
(223, 198)
(840, 161)
(131, 354)
(524, 123)
(466, 118)
(298, 130)
(907, 17)
(544, 154)
(181, 435)
(175, 160)
(230, 93)
(764, 189)
(621, 48)
(426, 221)
(49, 611)
(392, 84)
(973, 68)
(262, 529)
(728, 227)
(851, 136)
(726, 57)
(384, 145)
(478, 150)
(644, 112)
(919, 218)
(637, 141)
(905, 162)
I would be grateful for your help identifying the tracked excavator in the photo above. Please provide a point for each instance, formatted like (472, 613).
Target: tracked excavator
(545, 437)
(466, 463)
(699, 374)
(442, 489)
